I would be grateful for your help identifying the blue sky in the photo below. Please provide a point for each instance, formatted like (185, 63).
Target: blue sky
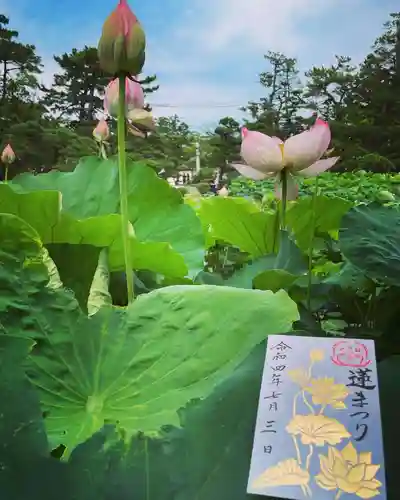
(208, 52)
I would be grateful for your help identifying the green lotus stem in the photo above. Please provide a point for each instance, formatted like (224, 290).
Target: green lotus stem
(284, 198)
(276, 232)
(103, 153)
(6, 174)
(311, 246)
(338, 494)
(123, 189)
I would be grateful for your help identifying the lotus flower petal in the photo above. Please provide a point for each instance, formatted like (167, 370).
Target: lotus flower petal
(326, 137)
(136, 132)
(318, 167)
(367, 493)
(277, 140)
(134, 96)
(142, 119)
(302, 150)
(261, 151)
(292, 189)
(249, 172)
(349, 453)
(370, 471)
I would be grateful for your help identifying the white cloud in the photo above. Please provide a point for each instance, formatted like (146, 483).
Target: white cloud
(239, 25)
(212, 101)
(235, 34)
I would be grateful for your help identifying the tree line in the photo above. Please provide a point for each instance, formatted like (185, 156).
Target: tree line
(51, 127)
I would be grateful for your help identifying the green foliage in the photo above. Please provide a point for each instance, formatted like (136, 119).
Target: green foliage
(358, 187)
(168, 370)
(370, 240)
(168, 236)
(240, 223)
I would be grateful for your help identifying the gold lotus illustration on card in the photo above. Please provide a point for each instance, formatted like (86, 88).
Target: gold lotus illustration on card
(329, 455)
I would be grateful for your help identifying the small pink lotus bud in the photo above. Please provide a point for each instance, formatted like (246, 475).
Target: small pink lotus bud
(8, 155)
(123, 43)
(101, 133)
(134, 97)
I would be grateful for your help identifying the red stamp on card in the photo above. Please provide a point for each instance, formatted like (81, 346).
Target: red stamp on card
(350, 353)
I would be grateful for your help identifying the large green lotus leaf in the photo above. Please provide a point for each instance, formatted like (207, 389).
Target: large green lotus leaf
(102, 468)
(22, 436)
(24, 448)
(19, 411)
(113, 470)
(76, 266)
(350, 277)
(22, 273)
(274, 280)
(18, 240)
(208, 458)
(154, 256)
(42, 210)
(308, 216)
(273, 271)
(239, 222)
(210, 454)
(74, 245)
(157, 210)
(140, 365)
(370, 240)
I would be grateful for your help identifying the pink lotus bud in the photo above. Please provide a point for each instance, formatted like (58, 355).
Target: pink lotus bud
(123, 43)
(8, 155)
(134, 97)
(101, 133)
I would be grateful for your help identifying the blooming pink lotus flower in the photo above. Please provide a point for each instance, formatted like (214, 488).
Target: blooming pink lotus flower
(8, 155)
(122, 44)
(267, 156)
(134, 97)
(140, 119)
(101, 132)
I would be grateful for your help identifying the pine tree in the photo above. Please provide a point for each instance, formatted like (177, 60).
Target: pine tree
(277, 113)
(76, 94)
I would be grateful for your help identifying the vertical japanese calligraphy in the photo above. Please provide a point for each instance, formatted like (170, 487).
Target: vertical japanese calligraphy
(318, 404)
(277, 368)
(360, 378)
